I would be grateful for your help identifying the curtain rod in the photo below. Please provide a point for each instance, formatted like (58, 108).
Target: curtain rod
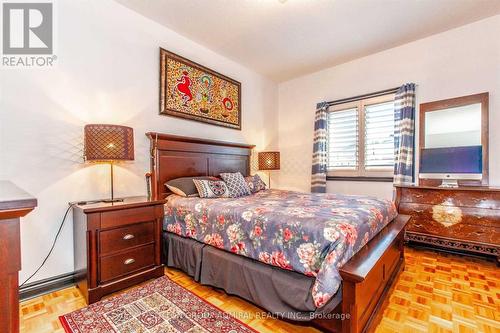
(357, 98)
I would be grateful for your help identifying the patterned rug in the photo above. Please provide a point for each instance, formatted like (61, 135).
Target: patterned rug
(159, 306)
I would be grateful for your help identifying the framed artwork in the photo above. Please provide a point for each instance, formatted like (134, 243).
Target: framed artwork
(191, 91)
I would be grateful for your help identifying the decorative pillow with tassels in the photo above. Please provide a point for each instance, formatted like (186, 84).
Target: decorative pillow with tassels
(211, 188)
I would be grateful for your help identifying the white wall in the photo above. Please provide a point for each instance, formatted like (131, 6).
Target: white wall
(107, 71)
(458, 62)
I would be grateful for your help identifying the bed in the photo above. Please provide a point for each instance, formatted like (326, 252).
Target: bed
(325, 258)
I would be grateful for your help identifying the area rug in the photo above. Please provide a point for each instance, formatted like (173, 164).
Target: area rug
(159, 306)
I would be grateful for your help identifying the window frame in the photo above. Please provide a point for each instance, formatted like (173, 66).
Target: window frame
(360, 173)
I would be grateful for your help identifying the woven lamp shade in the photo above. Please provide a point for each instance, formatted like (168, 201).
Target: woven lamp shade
(269, 160)
(108, 142)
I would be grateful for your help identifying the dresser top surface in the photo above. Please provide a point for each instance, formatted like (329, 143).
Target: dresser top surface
(12, 197)
(461, 188)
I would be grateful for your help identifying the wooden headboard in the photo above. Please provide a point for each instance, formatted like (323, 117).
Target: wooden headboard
(175, 156)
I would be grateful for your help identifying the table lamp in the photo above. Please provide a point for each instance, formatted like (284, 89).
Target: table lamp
(108, 143)
(269, 160)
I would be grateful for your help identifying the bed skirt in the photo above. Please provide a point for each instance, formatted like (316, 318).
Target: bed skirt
(285, 294)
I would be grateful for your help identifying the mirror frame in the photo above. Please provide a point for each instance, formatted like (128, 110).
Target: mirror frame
(482, 98)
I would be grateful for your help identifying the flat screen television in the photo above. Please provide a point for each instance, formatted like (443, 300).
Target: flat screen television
(452, 164)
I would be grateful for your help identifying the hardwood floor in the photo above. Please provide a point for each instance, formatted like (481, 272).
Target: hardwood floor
(443, 293)
(435, 293)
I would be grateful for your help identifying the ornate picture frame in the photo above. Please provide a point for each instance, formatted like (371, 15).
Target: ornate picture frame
(191, 91)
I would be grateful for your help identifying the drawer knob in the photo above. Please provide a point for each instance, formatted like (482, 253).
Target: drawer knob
(418, 225)
(128, 236)
(129, 261)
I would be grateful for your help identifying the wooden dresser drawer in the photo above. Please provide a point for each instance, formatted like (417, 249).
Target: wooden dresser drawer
(114, 240)
(127, 216)
(480, 234)
(465, 231)
(124, 263)
(460, 198)
(445, 214)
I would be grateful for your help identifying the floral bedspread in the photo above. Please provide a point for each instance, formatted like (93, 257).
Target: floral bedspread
(313, 234)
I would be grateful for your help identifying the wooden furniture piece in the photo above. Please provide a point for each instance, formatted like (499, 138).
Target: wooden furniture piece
(367, 276)
(14, 204)
(463, 219)
(116, 245)
(482, 99)
(175, 156)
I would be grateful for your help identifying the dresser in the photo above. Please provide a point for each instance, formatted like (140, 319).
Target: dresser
(116, 245)
(464, 219)
(14, 204)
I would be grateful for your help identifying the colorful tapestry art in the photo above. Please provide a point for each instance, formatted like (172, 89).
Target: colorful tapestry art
(189, 90)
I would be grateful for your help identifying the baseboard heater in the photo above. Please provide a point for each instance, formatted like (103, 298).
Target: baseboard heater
(37, 288)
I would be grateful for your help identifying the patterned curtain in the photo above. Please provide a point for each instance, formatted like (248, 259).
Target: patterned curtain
(404, 134)
(318, 179)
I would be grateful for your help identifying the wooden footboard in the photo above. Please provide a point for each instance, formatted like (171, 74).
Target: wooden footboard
(367, 278)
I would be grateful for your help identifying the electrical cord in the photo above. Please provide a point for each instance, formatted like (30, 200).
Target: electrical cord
(71, 204)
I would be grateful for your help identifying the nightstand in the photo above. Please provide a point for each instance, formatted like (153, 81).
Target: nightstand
(116, 245)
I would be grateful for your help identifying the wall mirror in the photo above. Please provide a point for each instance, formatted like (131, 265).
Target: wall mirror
(454, 141)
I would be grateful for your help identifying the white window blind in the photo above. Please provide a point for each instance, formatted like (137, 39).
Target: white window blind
(361, 137)
(343, 131)
(379, 136)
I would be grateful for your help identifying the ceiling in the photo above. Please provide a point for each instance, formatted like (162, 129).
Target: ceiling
(283, 39)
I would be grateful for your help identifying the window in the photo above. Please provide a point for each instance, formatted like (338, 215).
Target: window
(361, 138)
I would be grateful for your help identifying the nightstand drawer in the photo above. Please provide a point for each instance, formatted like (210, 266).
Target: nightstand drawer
(124, 263)
(127, 216)
(122, 238)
